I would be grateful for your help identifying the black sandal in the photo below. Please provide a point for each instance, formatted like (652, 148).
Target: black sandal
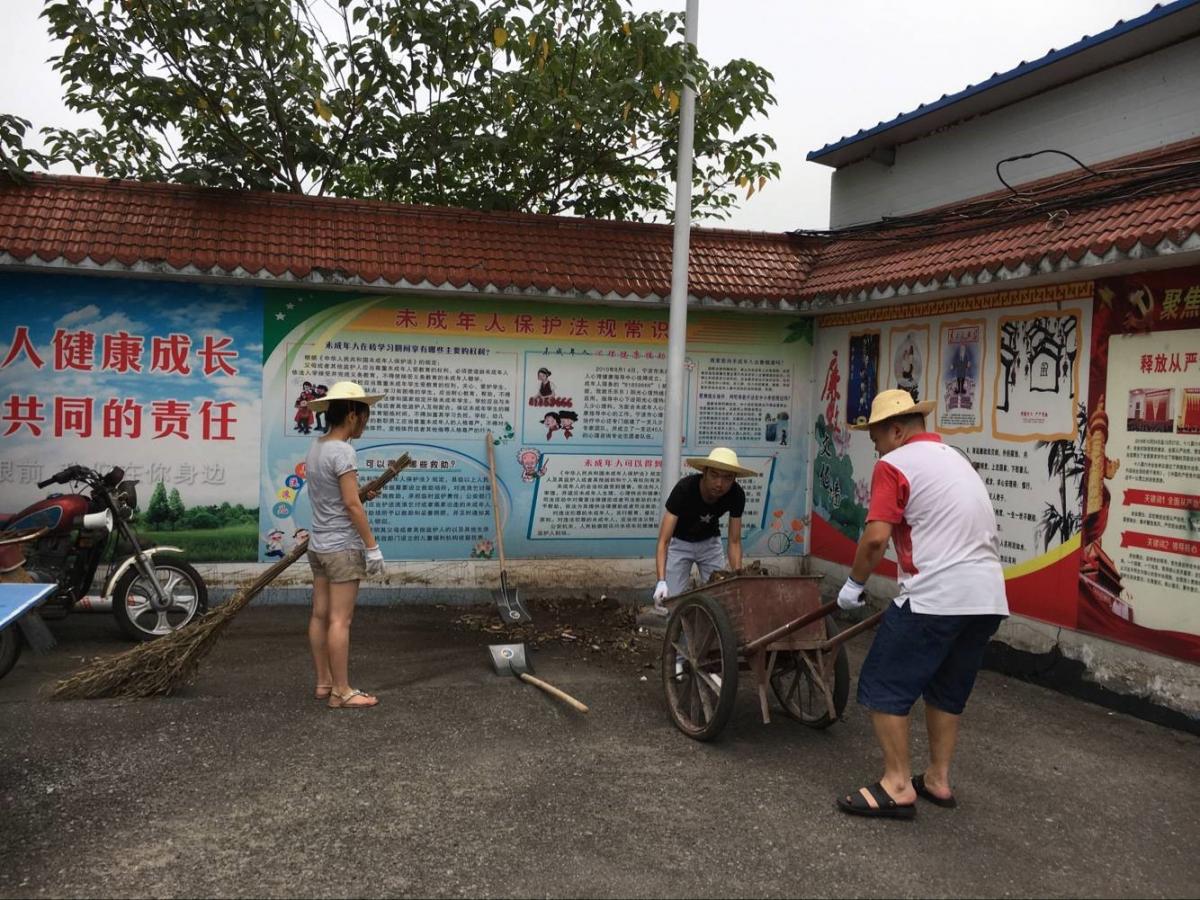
(925, 793)
(856, 804)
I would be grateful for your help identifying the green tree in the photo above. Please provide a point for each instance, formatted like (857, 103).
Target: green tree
(201, 517)
(15, 157)
(175, 507)
(533, 105)
(158, 513)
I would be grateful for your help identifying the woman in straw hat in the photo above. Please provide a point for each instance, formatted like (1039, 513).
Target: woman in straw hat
(690, 531)
(341, 549)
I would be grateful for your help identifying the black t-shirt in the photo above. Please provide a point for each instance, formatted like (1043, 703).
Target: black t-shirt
(698, 520)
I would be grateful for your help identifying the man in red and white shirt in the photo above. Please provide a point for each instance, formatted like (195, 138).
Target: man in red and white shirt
(927, 499)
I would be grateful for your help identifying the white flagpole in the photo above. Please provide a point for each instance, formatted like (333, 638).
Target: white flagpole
(677, 327)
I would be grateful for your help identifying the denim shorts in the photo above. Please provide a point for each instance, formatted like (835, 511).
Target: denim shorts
(919, 654)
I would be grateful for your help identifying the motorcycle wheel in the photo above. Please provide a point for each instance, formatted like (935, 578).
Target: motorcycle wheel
(135, 615)
(10, 648)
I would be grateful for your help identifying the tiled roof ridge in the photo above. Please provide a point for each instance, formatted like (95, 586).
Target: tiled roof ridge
(334, 203)
(81, 223)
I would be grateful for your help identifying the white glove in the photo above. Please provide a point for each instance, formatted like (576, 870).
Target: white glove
(660, 591)
(374, 558)
(850, 596)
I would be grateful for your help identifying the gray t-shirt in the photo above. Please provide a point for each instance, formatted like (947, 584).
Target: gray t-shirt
(332, 530)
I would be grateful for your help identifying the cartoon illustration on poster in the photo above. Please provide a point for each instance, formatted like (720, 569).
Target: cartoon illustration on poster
(573, 400)
(863, 377)
(960, 376)
(1140, 561)
(551, 399)
(1037, 381)
(909, 355)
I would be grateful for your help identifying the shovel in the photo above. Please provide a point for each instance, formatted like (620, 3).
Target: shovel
(510, 659)
(511, 609)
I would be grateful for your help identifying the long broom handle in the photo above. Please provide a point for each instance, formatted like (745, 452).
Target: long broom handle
(553, 691)
(394, 468)
(491, 454)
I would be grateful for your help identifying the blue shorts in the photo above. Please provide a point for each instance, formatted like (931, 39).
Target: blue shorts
(918, 654)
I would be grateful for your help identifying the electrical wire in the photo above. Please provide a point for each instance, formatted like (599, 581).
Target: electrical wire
(991, 213)
(1073, 159)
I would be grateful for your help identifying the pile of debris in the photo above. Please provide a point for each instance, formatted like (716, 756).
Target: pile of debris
(601, 626)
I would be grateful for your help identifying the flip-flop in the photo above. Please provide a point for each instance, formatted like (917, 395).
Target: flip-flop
(924, 792)
(856, 804)
(340, 701)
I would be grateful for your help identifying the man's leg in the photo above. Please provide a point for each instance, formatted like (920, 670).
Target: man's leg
(943, 736)
(947, 692)
(892, 733)
(680, 556)
(890, 680)
(710, 556)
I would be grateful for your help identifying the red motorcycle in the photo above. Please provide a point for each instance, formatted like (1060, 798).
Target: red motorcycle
(152, 591)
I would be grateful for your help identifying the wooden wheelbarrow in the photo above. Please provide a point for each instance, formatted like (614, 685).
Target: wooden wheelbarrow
(776, 627)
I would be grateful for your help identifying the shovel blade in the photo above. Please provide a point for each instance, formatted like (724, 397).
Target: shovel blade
(509, 659)
(508, 603)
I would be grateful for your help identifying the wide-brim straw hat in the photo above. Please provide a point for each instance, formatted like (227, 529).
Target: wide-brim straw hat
(889, 404)
(344, 390)
(720, 458)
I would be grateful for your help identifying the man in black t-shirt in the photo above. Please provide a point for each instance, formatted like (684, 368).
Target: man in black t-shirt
(691, 525)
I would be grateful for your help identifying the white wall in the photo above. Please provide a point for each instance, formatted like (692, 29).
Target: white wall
(1143, 104)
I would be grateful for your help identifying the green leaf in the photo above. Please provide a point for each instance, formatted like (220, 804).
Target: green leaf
(509, 104)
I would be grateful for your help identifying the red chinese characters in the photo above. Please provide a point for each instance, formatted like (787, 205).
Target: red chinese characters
(170, 354)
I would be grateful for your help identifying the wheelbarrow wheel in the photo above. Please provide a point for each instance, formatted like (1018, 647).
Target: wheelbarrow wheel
(799, 693)
(700, 667)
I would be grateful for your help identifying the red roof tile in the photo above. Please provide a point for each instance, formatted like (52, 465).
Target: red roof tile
(326, 240)
(850, 268)
(987, 238)
(217, 231)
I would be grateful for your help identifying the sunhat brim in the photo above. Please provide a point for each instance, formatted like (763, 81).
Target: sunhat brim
(703, 462)
(323, 404)
(924, 408)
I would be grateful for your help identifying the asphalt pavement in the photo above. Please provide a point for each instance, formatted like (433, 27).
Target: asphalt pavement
(464, 783)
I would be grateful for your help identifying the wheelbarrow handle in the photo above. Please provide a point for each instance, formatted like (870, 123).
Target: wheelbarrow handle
(807, 619)
(858, 628)
(553, 691)
(784, 630)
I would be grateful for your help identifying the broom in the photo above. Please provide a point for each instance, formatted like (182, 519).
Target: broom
(167, 664)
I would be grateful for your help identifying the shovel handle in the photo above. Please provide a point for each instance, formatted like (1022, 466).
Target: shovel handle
(491, 455)
(553, 691)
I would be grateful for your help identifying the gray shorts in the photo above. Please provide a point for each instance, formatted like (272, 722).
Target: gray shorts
(708, 556)
(340, 565)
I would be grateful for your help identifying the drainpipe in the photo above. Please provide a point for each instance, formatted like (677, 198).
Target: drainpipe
(677, 327)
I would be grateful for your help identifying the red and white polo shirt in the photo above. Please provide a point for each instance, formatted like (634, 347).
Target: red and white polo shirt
(944, 529)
